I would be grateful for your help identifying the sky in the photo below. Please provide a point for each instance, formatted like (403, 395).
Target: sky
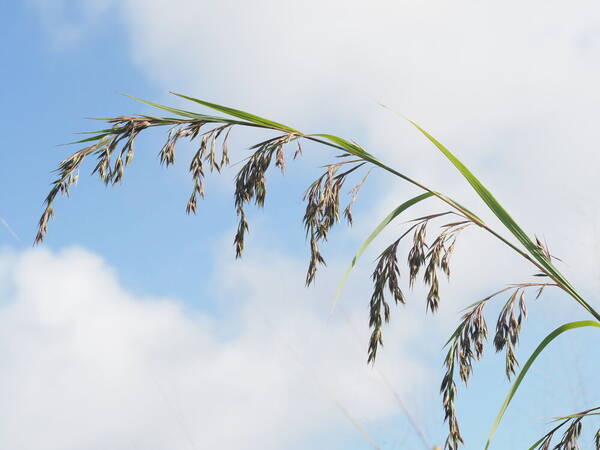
(133, 326)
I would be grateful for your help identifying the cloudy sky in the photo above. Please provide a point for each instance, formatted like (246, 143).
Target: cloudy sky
(134, 327)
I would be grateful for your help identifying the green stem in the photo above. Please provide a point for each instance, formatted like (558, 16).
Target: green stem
(551, 272)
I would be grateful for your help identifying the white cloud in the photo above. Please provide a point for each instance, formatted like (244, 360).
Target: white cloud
(512, 87)
(86, 365)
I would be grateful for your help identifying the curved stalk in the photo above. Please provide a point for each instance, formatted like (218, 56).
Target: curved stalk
(551, 272)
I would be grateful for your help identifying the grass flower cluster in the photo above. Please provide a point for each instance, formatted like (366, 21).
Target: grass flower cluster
(113, 150)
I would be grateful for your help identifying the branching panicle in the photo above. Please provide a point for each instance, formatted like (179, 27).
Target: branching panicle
(353, 196)
(315, 260)
(508, 328)
(570, 437)
(416, 255)
(386, 275)
(123, 129)
(167, 153)
(114, 150)
(197, 171)
(449, 391)
(203, 153)
(467, 345)
(250, 182)
(433, 257)
(250, 185)
(322, 210)
(240, 233)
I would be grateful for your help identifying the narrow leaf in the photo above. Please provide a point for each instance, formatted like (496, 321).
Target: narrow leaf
(508, 221)
(183, 113)
(352, 148)
(239, 114)
(532, 358)
(90, 139)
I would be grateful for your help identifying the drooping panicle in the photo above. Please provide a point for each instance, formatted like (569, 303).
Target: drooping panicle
(385, 275)
(322, 209)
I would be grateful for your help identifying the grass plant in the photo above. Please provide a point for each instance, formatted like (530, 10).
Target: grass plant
(428, 259)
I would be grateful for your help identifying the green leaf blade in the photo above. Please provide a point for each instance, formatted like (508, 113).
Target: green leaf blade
(508, 221)
(513, 389)
(350, 147)
(240, 114)
(182, 112)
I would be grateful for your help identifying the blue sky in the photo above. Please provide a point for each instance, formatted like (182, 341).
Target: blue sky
(133, 326)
